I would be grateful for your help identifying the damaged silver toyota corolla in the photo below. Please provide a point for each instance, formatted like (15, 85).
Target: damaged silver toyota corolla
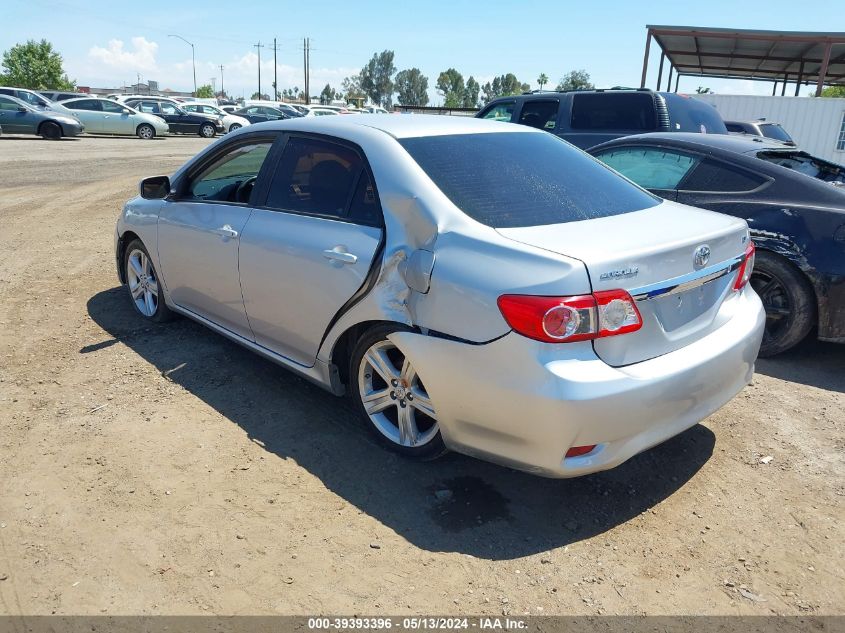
(473, 286)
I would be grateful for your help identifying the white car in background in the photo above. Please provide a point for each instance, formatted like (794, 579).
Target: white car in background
(231, 122)
(104, 116)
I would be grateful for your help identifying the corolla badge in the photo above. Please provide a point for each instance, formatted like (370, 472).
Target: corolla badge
(701, 256)
(622, 273)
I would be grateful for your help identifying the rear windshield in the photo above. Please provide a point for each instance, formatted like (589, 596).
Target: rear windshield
(806, 164)
(775, 131)
(507, 180)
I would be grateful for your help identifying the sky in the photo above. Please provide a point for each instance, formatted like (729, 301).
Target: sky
(109, 44)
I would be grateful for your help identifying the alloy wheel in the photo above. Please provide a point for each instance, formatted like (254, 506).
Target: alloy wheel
(145, 132)
(143, 285)
(775, 301)
(395, 398)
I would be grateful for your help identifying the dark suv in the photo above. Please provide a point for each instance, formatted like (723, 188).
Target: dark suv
(588, 117)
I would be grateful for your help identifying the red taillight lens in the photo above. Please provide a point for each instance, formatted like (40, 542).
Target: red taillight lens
(577, 451)
(746, 268)
(569, 319)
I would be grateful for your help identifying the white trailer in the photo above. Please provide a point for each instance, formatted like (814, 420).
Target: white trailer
(817, 124)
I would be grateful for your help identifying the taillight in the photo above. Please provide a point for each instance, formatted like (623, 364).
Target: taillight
(569, 319)
(745, 268)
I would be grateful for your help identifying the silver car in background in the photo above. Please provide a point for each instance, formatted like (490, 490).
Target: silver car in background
(472, 286)
(104, 116)
(19, 117)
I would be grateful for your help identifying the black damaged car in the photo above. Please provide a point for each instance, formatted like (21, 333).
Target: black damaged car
(179, 120)
(794, 204)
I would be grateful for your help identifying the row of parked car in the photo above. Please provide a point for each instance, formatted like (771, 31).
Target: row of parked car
(794, 203)
(54, 115)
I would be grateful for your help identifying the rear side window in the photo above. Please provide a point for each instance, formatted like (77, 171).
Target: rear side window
(650, 167)
(539, 114)
(710, 175)
(501, 111)
(315, 177)
(613, 111)
(518, 179)
(85, 104)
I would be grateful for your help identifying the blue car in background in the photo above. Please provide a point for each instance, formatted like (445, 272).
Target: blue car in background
(18, 117)
(794, 204)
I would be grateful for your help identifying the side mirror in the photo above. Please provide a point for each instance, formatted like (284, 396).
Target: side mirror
(21, 109)
(155, 187)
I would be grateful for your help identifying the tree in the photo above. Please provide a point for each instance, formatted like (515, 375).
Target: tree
(450, 84)
(205, 92)
(328, 95)
(575, 80)
(351, 86)
(542, 80)
(255, 95)
(376, 79)
(412, 87)
(834, 91)
(702, 91)
(471, 93)
(35, 65)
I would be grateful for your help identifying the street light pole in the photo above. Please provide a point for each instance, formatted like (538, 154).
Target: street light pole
(193, 60)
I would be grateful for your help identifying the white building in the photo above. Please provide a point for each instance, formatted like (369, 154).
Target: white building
(816, 123)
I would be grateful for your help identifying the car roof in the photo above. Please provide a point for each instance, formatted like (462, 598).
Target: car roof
(401, 126)
(741, 144)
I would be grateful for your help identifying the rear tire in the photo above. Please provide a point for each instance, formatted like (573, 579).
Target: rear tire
(146, 132)
(234, 126)
(50, 131)
(207, 130)
(789, 301)
(391, 399)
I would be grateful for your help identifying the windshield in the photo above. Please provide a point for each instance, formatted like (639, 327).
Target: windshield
(508, 179)
(775, 131)
(806, 164)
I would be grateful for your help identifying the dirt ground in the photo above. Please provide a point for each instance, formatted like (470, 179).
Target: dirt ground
(164, 469)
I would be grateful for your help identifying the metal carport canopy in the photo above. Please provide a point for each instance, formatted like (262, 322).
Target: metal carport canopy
(785, 56)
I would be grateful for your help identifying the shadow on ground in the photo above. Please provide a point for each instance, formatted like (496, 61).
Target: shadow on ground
(489, 511)
(812, 362)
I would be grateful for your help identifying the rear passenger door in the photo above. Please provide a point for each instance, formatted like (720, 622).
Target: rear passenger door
(539, 113)
(90, 112)
(309, 245)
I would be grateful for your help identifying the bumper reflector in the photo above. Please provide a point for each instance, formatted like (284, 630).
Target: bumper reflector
(576, 451)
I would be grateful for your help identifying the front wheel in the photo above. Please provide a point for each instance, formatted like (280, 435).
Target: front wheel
(207, 130)
(392, 399)
(788, 299)
(143, 283)
(50, 131)
(146, 132)
(234, 126)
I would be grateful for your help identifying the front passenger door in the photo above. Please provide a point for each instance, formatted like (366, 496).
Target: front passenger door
(309, 248)
(199, 232)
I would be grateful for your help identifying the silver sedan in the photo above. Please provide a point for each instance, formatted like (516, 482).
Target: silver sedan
(104, 116)
(472, 286)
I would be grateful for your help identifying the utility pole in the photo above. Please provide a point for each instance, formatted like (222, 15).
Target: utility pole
(221, 80)
(214, 85)
(259, 46)
(306, 64)
(275, 77)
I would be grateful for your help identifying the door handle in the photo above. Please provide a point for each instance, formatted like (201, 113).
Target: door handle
(339, 254)
(227, 232)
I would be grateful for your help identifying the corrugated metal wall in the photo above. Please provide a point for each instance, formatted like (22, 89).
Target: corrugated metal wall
(814, 123)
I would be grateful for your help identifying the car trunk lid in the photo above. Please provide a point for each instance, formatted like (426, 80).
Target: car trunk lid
(652, 254)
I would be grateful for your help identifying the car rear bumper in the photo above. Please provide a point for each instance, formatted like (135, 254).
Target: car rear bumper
(524, 404)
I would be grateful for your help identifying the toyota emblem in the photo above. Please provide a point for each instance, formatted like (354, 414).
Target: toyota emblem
(701, 256)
